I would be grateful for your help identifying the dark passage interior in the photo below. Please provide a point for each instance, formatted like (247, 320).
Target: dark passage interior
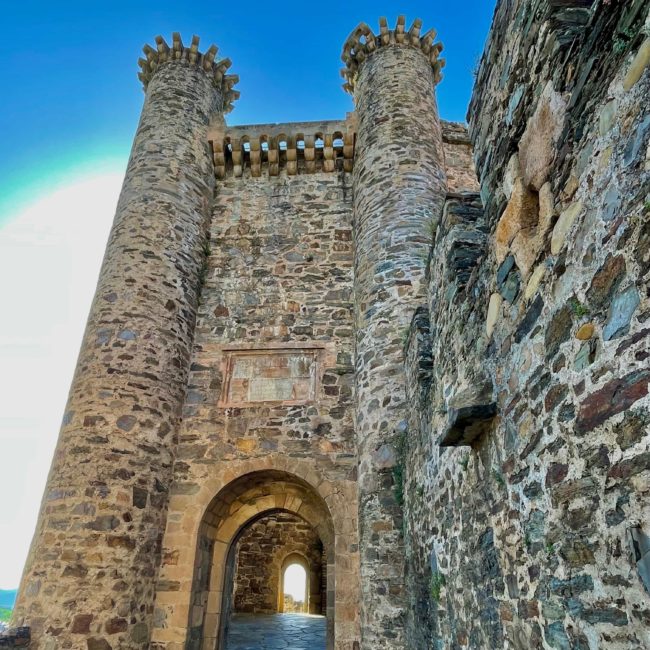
(279, 585)
(266, 549)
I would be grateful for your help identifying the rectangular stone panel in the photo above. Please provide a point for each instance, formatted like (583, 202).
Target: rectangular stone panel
(287, 376)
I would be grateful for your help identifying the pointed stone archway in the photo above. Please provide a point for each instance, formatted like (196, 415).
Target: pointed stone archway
(241, 502)
(265, 547)
(228, 515)
(197, 571)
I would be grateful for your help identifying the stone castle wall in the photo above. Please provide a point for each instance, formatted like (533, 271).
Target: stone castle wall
(261, 554)
(448, 386)
(274, 325)
(278, 275)
(526, 458)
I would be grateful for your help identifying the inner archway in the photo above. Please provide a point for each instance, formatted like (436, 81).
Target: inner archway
(294, 591)
(222, 583)
(265, 549)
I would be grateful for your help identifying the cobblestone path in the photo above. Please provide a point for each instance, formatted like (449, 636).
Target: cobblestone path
(276, 632)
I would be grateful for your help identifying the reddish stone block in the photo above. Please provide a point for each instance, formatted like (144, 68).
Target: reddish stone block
(630, 466)
(81, 624)
(614, 397)
(116, 625)
(556, 473)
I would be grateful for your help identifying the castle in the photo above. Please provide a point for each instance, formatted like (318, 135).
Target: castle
(417, 352)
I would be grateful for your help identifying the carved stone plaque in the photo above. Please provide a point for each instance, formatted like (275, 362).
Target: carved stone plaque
(287, 376)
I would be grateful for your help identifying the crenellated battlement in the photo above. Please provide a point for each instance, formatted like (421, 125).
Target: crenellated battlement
(299, 147)
(363, 42)
(163, 53)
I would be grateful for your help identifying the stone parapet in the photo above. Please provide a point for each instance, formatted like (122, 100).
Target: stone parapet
(296, 148)
(215, 69)
(363, 42)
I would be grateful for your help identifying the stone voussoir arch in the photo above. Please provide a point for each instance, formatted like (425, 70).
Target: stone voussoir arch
(244, 500)
(203, 526)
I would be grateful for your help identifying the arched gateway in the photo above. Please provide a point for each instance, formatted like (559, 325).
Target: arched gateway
(242, 502)
(194, 594)
(310, 580)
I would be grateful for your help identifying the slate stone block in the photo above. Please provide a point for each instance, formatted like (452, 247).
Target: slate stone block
(620, 313)
(614, 397)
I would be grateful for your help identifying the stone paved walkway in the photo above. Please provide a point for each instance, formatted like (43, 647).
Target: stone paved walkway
(276, 632)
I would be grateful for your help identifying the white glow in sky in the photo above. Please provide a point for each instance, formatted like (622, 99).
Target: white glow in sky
(50, 255)
(295, 581)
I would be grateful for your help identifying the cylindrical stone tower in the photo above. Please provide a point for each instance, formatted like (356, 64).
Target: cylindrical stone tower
(399, 189)
(89, 578)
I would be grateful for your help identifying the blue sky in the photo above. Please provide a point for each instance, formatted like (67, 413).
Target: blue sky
(69, 70)
(71, 102)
